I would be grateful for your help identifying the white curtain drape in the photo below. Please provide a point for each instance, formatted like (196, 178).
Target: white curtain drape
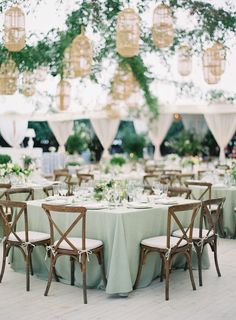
(223, 127)
(158, 130)
(61, 131)
(140, 126)
(195, 122)
(105, 130)
(12, 131)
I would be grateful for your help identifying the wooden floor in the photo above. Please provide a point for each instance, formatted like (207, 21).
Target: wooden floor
(215, 300)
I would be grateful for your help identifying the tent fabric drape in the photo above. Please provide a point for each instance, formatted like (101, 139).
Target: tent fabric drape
(195, 122)
(105, 130)
(12, 131)
(158, 130)
(140, 126)
(223, 127)
(61, 131)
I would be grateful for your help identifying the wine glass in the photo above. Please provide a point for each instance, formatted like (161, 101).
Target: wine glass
(63, 189)
(156, 188)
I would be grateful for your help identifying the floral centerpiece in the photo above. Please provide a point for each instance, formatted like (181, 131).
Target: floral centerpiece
(9, 169)
(190, 161)
(101, 188)
(172, 157)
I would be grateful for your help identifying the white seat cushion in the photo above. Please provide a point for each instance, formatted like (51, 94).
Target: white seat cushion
(179, 233)
(77, 242)
(160, 242)
(33, 236)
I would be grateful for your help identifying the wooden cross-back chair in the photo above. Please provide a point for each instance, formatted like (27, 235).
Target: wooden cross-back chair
(17, 234)
(206, 189)
(168, 246)
(3, 188)
(182, 177)
(74, 247)
(179, 192)
(206, 233)
(26, 194)
(84, 177)
(48, 190)
(149, 179)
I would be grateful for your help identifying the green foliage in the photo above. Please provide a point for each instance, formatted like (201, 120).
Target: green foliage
(78, 142)
(117, 160)
(187, 143)
(133, 144)
(4, 158)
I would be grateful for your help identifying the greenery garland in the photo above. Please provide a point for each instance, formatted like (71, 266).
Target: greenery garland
(212, 24)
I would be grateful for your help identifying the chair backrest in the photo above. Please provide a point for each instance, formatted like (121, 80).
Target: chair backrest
(3, 188)
(62, 176)
(205, 189)
(173, 219)
(84, 177)
(179, 191)
(182, 177)
(10, 227)
(210, 218)
(28, 194)
(222, 166)
(52, 212)
(48, 190)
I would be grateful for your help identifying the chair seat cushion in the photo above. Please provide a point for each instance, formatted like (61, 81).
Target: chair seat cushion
(33, 236)
(178, 233)
(77, 242)
(160, 242)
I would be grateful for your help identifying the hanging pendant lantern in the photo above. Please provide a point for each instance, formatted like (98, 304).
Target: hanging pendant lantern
(81, 56)
(41, 73)
(218, 58)
(63, 95)
(28, 84)
(14, 29)
(209, 64)
(123, 83)
(68, 70)
(8, 77)
(127, 33)
(184, 60)
(162, 31)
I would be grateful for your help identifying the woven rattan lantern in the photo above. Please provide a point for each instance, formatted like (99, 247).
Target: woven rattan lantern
(28, 84)
(127, 33)
(14, 29)
(184, 60)
(68, 68)
(218, 58)
(80, 56)
(8, 78)
(123, 83)
(162, 30)
(63, 95)
(111, 111)
(210, 64)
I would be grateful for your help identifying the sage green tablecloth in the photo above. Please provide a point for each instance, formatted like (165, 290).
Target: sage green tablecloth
(121, 231)
(228, 210)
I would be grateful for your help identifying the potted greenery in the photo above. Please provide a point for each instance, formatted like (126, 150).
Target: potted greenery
(78, 141)
(117, 160)
(4, 158)
(27, 161)
(133, 144)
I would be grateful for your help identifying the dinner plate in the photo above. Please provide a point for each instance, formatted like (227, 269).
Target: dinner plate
(95, 206)
(137, 205)
(57, 201)
(166, 201)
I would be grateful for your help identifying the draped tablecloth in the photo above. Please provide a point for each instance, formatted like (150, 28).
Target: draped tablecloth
(121, 231)
(228, 210)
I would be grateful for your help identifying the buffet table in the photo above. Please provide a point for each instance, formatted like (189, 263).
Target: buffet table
(121, 231)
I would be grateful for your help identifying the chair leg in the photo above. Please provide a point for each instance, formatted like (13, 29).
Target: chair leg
(190, 269)
(72, 271)
(3, 261)
(199, 260)
(27, 261)
(52, 265)
(216, 258)
(221, 226)
(141, 262)
(167, 276)
(30, 261)
(162, 269)
(103, 267)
